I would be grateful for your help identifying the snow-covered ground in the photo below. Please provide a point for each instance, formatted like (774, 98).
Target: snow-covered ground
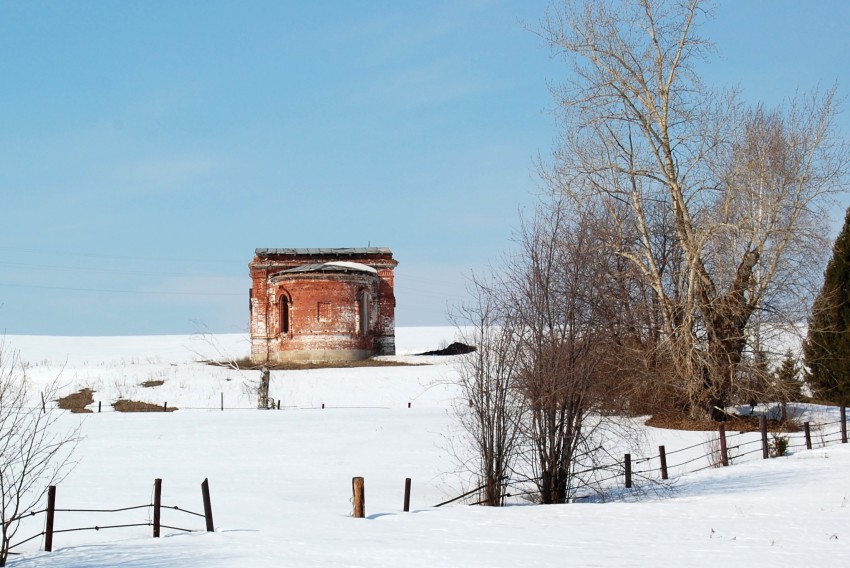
(281, 480)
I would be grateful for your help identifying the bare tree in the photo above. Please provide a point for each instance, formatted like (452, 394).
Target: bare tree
(260, 388)
(718, 204)
(490, 411)
(34, 453)
(557, 309)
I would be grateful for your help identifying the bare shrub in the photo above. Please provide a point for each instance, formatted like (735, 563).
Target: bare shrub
(34, 453)
(490, 410)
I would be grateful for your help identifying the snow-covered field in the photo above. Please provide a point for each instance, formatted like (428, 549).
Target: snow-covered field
(281, 480)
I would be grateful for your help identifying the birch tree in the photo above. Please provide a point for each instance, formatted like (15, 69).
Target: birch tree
(733, 194)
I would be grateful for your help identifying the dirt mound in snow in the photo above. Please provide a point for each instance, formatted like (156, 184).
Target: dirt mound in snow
(453, 349)
(137, 406)
(77, 402)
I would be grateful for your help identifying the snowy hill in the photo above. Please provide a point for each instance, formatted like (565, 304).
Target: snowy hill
(281, 480)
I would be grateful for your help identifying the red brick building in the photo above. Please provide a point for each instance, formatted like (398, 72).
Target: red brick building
(322, 304)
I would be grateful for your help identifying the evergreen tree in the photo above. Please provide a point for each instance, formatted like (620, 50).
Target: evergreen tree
(786, 386)
(827, 347)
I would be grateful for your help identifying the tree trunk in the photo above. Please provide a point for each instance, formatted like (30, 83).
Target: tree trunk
(726, 320)
(493, 492)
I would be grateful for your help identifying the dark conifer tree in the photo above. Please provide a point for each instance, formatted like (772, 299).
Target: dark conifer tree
(827, 346)
(786, 386)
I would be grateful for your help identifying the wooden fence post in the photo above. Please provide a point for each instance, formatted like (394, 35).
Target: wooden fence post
(628, 462)
(662, 454)
(263, 390)
(407, 495)
(359, 497)
(724, 452)
(51, 512)
(205, 490)
(165, 407)
(222, 401)
(843, 424)
(157, 504)
(807, 430)
(765, 450)
(98, 407)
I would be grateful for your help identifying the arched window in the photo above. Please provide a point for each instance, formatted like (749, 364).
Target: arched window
(363, 311)
(284, 314)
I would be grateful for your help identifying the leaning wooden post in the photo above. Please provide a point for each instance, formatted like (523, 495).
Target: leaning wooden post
(165, 407)
(407, 495)
(724, 452)
(157, 504)
(843, 424)
(807, 430)
(359, 497)
(205, 490)
(662, 454)
(628, 461)
(51, 511)
(263, 390)
(765, 449)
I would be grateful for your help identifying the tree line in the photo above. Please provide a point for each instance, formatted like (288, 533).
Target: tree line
(679, 230)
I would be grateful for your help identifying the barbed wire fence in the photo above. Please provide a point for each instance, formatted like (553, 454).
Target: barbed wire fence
(637, 472)
(155, 509)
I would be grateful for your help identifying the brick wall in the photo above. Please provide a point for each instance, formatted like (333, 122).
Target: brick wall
(321, 314)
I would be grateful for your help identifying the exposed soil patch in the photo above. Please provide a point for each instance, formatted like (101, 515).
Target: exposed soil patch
(453, 349)
(152, 383)
(77, 402)
(247, 365)
(734, 424)
(122, 405)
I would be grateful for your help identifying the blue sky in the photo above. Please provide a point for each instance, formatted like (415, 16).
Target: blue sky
(147, 148)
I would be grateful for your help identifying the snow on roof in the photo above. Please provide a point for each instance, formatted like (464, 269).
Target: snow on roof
(333, 266)
(352, 266)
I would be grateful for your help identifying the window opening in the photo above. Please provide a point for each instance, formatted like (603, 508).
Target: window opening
(284, 314)
(363, 310)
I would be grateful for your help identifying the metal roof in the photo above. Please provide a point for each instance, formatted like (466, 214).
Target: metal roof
(322, 251)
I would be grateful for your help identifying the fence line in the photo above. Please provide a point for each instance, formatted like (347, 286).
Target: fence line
(51, 510)
(715, 457)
